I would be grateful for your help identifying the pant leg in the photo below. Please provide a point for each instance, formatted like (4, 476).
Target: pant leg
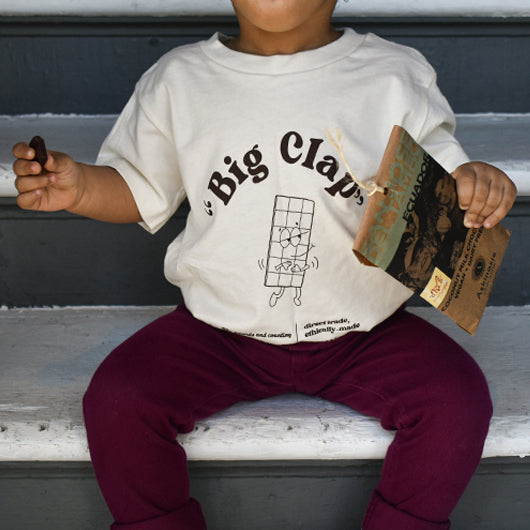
(152, 387)
(422, 384)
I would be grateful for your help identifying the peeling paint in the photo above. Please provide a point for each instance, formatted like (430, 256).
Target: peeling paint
(15, 407)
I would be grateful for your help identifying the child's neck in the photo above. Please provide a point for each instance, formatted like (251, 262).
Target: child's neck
(258, 42)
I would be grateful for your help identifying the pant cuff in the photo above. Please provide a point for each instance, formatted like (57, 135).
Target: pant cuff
(188, 517)
(381, 515)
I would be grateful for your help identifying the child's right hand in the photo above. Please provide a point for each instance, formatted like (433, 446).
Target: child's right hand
(52, 188)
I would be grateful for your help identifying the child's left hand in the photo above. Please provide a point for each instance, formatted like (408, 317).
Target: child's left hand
(485, 193)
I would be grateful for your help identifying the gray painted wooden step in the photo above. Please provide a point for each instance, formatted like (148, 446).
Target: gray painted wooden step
(49, 355)
(500, 139)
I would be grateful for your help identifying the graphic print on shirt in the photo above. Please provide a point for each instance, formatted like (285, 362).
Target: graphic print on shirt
(289, 246)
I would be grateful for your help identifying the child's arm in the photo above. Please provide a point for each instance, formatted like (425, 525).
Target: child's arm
(484, 192)
(98, 192)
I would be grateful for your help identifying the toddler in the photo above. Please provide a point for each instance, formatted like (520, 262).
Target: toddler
(274, 299)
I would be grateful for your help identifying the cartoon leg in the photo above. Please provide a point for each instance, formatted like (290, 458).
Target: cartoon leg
(297, 296)
(275, 296)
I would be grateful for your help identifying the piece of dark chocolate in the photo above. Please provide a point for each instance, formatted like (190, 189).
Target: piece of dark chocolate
(41, 156)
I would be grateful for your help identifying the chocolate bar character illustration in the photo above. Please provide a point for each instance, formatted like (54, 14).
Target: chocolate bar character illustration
(289, 246)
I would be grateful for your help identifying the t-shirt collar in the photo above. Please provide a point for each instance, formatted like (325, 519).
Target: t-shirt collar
(217, 51)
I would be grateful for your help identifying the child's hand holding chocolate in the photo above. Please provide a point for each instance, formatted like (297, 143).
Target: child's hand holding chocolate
(46, 181)
(50, 181)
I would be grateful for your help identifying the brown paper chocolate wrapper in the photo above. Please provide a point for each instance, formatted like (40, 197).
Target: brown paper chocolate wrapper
(415, 232)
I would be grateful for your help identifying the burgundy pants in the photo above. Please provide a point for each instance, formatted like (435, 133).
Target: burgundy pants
(177, 370)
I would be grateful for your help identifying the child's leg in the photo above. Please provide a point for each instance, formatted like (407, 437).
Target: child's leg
(152, 387)
(419, 382)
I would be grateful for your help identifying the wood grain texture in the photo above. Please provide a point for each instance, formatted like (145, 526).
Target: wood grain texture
(49, 355)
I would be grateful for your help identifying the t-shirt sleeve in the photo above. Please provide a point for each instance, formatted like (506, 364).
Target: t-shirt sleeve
(436, 135)
(144, 153)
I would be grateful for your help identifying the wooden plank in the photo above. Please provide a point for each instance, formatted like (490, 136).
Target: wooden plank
(469, 54)
(500, 139)
(313, 495)
(392, 8)
(48, 356)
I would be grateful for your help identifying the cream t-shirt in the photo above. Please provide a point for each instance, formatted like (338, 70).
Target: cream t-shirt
(267, 247)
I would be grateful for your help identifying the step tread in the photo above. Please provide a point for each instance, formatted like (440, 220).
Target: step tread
(500, 139)
(49, 355)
